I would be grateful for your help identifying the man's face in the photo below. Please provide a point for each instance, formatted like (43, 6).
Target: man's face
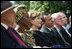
(10, 16)
(64, 19)
(49, 22)
(58, 21)
(61, 19)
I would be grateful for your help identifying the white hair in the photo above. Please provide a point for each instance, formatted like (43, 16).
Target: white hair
(54, 16)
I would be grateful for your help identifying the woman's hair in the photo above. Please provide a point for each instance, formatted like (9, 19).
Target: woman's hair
(34, 14)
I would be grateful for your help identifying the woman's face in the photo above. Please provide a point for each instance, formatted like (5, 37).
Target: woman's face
(37, 22)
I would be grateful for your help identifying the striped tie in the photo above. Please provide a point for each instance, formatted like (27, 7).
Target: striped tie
(17, 38)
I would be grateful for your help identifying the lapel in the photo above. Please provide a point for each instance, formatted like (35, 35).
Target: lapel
(65, 35)
(56, 32)
(69, 30)
(46, 29)
(9, 34)
(63, 32)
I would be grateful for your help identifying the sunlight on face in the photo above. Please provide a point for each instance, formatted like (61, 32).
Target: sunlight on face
(64, 19)
(37, 22)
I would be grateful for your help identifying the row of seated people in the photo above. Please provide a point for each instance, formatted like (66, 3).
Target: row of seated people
(45, 32)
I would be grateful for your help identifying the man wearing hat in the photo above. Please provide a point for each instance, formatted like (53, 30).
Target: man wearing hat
(9, 37)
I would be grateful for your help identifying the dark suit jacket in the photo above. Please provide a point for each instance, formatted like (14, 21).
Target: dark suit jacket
(69, 30)
(43, 39)
(8, 40)
(56, 39)
(59, 39)
(65, 35)
(68, 27)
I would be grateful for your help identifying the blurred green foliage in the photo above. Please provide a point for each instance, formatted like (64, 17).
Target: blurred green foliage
(48, 6)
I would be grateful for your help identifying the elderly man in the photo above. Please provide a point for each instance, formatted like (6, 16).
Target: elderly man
(63, 29)
(9, 37)
(59, 20)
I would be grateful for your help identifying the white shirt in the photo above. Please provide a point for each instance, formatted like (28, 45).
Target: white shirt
(49, 29)
(57, 28)
(4, 25)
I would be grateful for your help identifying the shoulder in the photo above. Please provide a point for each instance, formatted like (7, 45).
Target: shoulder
(43, 28)
(2, 28)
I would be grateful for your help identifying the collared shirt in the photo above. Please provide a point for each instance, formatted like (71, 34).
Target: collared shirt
(61, 35)
(49, 29)
(67, 31)
(57, 28)
(4, 25)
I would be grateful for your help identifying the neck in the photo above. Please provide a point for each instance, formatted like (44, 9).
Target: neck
(34, 28)
(64, 25)
(5, 23)
(58, 26)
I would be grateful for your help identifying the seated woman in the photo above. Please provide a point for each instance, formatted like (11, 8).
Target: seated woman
(36, 23)
(24, 23)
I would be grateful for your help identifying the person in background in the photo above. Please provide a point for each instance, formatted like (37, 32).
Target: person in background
(59, 20)
(69, 25)
(47, 23)
(63, 29)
